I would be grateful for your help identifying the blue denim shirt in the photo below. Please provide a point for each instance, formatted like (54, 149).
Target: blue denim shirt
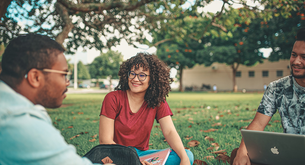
(27, 135)
(288, 97)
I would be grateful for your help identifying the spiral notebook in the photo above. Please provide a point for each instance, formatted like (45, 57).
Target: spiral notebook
(156, 158)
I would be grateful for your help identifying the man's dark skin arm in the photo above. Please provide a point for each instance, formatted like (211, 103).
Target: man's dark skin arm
(259, 123)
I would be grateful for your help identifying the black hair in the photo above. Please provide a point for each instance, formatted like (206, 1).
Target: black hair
(301, 34)
(159, 77)
(26, 52)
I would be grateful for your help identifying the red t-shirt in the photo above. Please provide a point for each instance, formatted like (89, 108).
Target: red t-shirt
(131, 129)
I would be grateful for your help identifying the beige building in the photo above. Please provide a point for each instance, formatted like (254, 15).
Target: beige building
(252, 78)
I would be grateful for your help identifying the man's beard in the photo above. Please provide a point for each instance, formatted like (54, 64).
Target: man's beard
(48, 98)
(297, 76)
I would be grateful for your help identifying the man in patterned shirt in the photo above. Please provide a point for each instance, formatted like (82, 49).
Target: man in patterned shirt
(287, 95)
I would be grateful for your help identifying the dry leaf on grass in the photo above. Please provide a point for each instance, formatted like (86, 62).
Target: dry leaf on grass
(92, 140)
(74, 137)
(276, 121)
(210, 148)
(188, 138)
(209, 138)
(223, 158)
(217, 124)
(193, 143)
(199, 162)
(157, 126)
(190, 126)
(214, 144)
(80, 113)
(94, 136)
(209, 130)
(220, 152)
(71, 126)
(208, 157)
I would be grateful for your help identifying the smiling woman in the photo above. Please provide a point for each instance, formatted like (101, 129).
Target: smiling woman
(128, 114)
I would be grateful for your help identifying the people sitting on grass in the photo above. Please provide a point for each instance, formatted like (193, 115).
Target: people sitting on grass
(34, 76)
(287, 95)
(128, 113)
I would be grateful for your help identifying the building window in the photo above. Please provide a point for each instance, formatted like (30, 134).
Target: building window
(238, 74)
(251, 74)
(265, 73)
(279, 73)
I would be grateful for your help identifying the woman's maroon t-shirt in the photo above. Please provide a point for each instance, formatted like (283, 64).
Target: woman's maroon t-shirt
(132, 129)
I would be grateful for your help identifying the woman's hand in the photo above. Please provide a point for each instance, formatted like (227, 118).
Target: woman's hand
(146, 163)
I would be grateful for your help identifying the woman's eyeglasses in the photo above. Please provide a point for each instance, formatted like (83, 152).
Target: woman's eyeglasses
(141, 76)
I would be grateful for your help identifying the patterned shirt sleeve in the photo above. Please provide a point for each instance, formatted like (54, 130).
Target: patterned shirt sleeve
(267, 105)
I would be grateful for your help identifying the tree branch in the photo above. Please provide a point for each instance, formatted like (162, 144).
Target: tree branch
(220, 26)
(88, 7)
(213, 19)
(162, 41)
(68, 26)
(3, 6)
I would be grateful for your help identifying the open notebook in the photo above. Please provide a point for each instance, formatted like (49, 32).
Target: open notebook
(156, 158)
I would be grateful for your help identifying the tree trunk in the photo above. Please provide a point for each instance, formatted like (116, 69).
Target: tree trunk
(110, 83)
(97, 84)
(234, 69)
(180, 79)
(3, 6)
(75, 73)
(67, 27)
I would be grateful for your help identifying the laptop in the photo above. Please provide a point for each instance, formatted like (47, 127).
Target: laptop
(274, 148)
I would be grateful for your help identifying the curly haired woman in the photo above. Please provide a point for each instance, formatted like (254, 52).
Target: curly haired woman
(128, 113)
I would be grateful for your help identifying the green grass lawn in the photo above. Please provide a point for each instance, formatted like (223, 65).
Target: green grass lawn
(224, 114)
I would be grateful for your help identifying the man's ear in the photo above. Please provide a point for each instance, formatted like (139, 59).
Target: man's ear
(35, 77)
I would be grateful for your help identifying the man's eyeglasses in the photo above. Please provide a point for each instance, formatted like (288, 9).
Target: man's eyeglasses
(66, 73)
(141, 76)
